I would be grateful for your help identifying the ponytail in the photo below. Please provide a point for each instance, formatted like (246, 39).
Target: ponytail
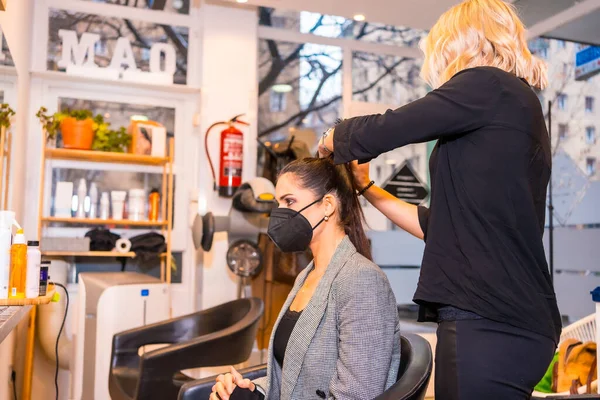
(322, 176)
(354, 220)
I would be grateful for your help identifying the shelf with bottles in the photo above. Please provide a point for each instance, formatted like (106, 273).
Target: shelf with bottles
(98, 221)
(115, 254)
(104, 157)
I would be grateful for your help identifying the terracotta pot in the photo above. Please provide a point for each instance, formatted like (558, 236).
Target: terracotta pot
(77, 134)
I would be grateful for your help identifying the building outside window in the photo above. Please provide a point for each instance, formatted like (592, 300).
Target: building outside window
(590, 166)
(563, 131)
(277, 101)
(561, 100)
(590, 135)
(589, 104)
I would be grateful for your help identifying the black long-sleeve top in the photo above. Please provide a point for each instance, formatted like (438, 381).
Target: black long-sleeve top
(489, 173)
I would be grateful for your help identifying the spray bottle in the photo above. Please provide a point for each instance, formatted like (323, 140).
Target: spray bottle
(7, 219)
(18, 266)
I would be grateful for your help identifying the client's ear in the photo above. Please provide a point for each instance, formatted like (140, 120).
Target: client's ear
(330, 202)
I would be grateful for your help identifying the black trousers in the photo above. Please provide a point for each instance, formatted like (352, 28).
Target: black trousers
(480, 359)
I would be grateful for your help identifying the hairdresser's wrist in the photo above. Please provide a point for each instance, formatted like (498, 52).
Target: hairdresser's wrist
(365, 188)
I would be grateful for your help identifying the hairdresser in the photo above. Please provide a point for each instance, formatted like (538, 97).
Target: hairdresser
(484, 276)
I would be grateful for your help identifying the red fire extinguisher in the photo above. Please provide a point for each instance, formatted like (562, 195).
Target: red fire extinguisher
(230, 159)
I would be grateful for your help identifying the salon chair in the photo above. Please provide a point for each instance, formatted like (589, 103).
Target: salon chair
(416, 363)
(222, 335)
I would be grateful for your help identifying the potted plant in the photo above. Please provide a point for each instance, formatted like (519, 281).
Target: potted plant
(110, 140)
(77, 127)
(6, 114)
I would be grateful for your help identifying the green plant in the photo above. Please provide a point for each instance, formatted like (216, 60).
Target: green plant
(5, 115)
(51, 123)
(110, 140)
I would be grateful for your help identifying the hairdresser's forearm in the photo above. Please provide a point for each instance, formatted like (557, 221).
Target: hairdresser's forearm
(401, 213)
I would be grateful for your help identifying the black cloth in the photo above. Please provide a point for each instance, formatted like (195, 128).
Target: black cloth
(148, 246)
(102, 239)
(489, 173)
(483, 359)
(283, 333)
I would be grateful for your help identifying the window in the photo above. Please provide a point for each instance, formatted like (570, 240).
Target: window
(543, 53)
(590, 135)
(277, 101)
(563, 130)
(589, 104)
(561, 44)
(561, 100)
(565, 69)
(590, 165)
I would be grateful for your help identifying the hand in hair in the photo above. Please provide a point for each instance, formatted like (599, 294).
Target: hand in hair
(360, 174)
(326, 144)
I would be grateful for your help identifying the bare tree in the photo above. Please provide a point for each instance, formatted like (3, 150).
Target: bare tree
(292, 64)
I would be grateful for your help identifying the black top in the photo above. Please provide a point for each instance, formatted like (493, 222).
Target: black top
(489, 173)
(283, 333)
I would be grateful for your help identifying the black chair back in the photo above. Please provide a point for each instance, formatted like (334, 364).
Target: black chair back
(416, 364)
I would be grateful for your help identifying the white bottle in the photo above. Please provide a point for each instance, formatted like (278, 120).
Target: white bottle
(104, 206)
(93, 214)
(34, 260)
(81, 193)
(7, 219)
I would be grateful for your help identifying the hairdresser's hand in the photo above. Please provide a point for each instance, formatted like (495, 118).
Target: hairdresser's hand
(360, 173)
(227, 383)
(326, 144)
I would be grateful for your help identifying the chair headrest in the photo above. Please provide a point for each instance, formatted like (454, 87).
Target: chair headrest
(255, 196)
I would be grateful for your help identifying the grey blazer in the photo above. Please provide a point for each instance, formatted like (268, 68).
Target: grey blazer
(346, 343)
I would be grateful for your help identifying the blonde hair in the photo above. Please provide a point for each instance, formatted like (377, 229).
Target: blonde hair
(478, 33)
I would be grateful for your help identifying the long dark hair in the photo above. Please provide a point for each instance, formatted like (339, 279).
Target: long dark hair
(322, 176)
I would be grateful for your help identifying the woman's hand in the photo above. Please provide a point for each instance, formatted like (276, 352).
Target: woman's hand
(227, 383)
(360, 173)
(326, 144)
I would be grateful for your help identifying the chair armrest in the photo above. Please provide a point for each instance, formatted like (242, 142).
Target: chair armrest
(221, 348)
(201, 389)
(170, 331)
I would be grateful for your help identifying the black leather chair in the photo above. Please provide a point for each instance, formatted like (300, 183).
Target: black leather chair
(222, 335)
(416, 363)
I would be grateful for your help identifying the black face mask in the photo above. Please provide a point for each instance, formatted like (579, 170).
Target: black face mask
(290, 230)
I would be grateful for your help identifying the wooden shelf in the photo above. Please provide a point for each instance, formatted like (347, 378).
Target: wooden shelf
(131, 254)
(38, 300)
(88, 221)
(104, 157)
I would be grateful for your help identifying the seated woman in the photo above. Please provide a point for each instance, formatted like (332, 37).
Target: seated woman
(337, 336)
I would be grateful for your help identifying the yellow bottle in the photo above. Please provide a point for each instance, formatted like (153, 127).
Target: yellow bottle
(18, 266)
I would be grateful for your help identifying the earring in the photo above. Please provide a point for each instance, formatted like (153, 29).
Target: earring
(327, 218)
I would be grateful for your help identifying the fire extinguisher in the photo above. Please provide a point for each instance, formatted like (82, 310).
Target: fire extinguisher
(230, 159)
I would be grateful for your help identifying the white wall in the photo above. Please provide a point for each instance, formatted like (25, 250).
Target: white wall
(229, 87)
(17, 28)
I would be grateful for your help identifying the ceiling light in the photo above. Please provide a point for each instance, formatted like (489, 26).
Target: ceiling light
(139, 118)
(242, 1)
(281, 88)
(359, 17)
(391, 162)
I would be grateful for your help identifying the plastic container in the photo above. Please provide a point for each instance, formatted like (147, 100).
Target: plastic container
(34, 261)
(137, 204)
(118, 202)
(45, 266)
(153, 205)
(81, 193)
(104, 206)
(93, 214)
(18, 266)
(7, 219)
